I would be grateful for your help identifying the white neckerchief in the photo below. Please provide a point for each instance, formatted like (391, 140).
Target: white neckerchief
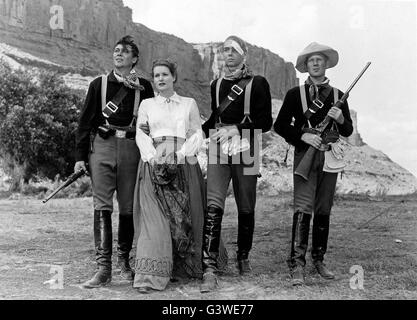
(118, 77)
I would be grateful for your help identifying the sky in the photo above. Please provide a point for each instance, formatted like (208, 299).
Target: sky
(382, 32)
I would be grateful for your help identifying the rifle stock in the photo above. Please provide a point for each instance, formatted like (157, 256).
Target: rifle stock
(72, 178)
(304, 166)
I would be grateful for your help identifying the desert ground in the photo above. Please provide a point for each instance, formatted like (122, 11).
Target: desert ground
(36, 239)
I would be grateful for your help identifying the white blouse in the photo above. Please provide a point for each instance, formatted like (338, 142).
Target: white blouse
(177, 116)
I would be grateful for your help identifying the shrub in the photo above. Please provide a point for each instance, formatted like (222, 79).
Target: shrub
(38, 118)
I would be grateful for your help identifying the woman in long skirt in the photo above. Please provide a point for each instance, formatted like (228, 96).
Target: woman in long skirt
(170, 191)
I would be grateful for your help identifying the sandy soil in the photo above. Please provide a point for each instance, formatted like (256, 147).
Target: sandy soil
(35, 238)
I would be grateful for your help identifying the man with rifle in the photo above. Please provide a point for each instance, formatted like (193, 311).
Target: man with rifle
(303, 110)
(106, 140)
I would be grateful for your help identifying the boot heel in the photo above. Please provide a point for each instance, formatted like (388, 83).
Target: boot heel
(100, 279)
(209, 282)
(103, 239)
(298, 278)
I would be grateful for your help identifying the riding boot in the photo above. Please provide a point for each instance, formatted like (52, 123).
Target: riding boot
(211, 242)
(103, 244)
(124, 245)
(299, 245)
(320, 237)
(246, 225)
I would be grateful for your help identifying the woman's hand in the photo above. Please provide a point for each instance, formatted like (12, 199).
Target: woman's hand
(152, 161)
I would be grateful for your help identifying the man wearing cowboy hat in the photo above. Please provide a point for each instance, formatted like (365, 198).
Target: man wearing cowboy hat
(304, 108)
(248, 114)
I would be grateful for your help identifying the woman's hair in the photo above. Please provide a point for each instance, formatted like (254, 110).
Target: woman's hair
(172, 66)
(129, 41)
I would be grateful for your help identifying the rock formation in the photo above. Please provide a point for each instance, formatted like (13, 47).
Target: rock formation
(91, 28)
(368, 171)
(280, 74)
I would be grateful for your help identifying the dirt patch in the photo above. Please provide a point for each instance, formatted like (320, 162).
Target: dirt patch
(36, 239)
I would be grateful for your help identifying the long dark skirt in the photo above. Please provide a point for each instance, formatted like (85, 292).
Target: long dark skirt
(155, 263)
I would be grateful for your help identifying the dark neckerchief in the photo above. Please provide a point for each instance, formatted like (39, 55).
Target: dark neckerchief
(313, 88)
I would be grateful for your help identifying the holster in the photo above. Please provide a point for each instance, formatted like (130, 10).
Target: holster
(105, 132)
(92, 137)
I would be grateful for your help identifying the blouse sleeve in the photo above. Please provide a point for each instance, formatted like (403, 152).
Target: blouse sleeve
(194, 138)
(144, 142)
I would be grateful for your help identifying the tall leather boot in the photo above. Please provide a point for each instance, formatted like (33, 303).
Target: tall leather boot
(103, 238)
(299, 245)
(124, 245)
(321, 225)
(290, 260)
(211, 242)
(246, 225)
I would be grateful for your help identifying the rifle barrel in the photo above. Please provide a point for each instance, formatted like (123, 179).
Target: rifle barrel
(70, 180)
(52, 194)
(357, 78)
(327, 119)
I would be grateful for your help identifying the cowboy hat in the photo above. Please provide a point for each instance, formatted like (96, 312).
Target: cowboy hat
(312, 48)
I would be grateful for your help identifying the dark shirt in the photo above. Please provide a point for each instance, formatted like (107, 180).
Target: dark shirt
(292, 109)
(91, 116)
(260, 106)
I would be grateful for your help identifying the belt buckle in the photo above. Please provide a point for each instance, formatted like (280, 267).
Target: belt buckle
(318, 103)
(236, 89)
(120, 134)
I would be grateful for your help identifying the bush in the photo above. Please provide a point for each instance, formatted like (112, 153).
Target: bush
(38, 118)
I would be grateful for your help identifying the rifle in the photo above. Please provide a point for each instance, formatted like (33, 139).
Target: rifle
(72, 178)
(304, 167)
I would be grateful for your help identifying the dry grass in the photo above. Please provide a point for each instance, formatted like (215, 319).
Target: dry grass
(34, 236)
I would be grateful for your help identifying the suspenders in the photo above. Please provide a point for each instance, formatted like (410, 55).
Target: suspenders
(304, 99)
(335, 95)
(104, 93)
(248, 90)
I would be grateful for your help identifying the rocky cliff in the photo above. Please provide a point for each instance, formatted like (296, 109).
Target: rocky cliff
(279, 73)
(368, 171)
(90, 28)
(82, 50)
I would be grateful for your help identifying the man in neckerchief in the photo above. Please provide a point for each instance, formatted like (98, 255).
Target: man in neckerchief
(317, 193)
(105, 140)
(231, 125)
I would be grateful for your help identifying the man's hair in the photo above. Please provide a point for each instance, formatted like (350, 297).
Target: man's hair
(172, 66)
(129, 41)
